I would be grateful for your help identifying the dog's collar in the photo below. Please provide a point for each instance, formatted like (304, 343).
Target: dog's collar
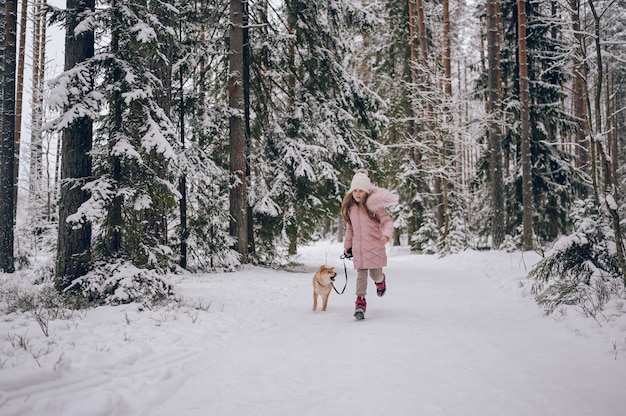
(331, 281)
(319, 283)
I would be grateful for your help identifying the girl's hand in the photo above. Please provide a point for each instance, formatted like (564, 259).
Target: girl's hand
(384, 239)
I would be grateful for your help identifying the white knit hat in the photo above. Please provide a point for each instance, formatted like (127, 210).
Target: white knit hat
(361, 181)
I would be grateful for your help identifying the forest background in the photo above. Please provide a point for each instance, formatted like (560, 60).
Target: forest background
(204, 135)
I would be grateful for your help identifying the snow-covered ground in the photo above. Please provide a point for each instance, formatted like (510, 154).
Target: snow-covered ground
(452, 336)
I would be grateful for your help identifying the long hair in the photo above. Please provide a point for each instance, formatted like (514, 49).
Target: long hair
(348, 202)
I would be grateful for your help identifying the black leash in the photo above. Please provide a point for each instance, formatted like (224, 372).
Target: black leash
(345, 271)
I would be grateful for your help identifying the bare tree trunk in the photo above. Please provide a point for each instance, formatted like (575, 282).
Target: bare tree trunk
(37, 103)
(156, 217)
(7, 140)
(182, 181)
(246, 99)
(609, 186)
(527, 184)
(292, 227)
(446, 145)
(2, 26)
(74, 243)
(578, 93)
(423, 47)
(237, 139)
(20, 95)
(494, 129)
(611, 125)
(414, 40)
(114, 220)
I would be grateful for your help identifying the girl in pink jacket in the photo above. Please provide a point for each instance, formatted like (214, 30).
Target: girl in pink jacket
(368, 229)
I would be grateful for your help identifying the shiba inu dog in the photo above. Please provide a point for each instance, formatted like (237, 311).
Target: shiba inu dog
(322, 284)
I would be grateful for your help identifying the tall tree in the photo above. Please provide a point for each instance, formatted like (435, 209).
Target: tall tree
(74, 238)
(447, 147)
(7, 141)
(200, 106)
(609, 192)
(554, 180)
(310, 118)
(237, 137)
(527, 190)
(135, 159)
(20, 91)
(39, 63)
(3, 21)
(493, 128)
(578, 92)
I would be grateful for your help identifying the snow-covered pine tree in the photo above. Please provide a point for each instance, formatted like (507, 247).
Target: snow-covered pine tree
(311, 117)
(389, 60)
(581, 268)
(200, 108)
(555, 182)
(425, 128)
(133, 157)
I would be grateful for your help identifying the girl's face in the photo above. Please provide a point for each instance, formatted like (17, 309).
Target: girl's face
(358, 195)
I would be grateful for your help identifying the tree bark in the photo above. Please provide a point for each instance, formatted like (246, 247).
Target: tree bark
(447, 146)
(3, 21)
(414, 42)
(609, 187)
(493, 128)
(7, 141)
(578, 94)
(527, 185)
(156, 217)
(237, 139)
(20, 95)
(182, 181)
(74, 241)
(37, 103)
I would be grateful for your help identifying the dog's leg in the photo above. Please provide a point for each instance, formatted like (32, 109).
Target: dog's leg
(325, 303)
(314, 301)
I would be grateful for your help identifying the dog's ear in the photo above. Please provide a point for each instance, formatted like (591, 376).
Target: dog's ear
(321, 269)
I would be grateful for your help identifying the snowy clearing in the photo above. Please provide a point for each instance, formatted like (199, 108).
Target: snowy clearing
(452, 336)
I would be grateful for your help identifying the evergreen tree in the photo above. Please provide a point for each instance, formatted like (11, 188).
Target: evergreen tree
(310, 118)
(200, 106)
(132, 153)
(554, 180)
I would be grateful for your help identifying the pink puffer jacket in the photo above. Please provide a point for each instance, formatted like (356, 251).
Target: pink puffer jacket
(364, 233)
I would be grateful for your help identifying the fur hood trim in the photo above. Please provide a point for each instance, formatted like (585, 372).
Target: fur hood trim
(380, 198)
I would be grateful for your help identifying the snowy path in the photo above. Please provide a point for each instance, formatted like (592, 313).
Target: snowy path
(448, 338)
(443, 341)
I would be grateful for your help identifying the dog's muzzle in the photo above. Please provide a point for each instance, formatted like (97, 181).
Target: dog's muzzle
(332, 278)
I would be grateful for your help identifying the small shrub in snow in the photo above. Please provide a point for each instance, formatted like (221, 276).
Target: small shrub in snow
(456, 240)
(581, 269)
(25, 296)
(512, 243)
(424, 240)
(122, 282)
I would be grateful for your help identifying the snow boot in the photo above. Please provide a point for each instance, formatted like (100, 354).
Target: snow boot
(359, 307)
(381, 287)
